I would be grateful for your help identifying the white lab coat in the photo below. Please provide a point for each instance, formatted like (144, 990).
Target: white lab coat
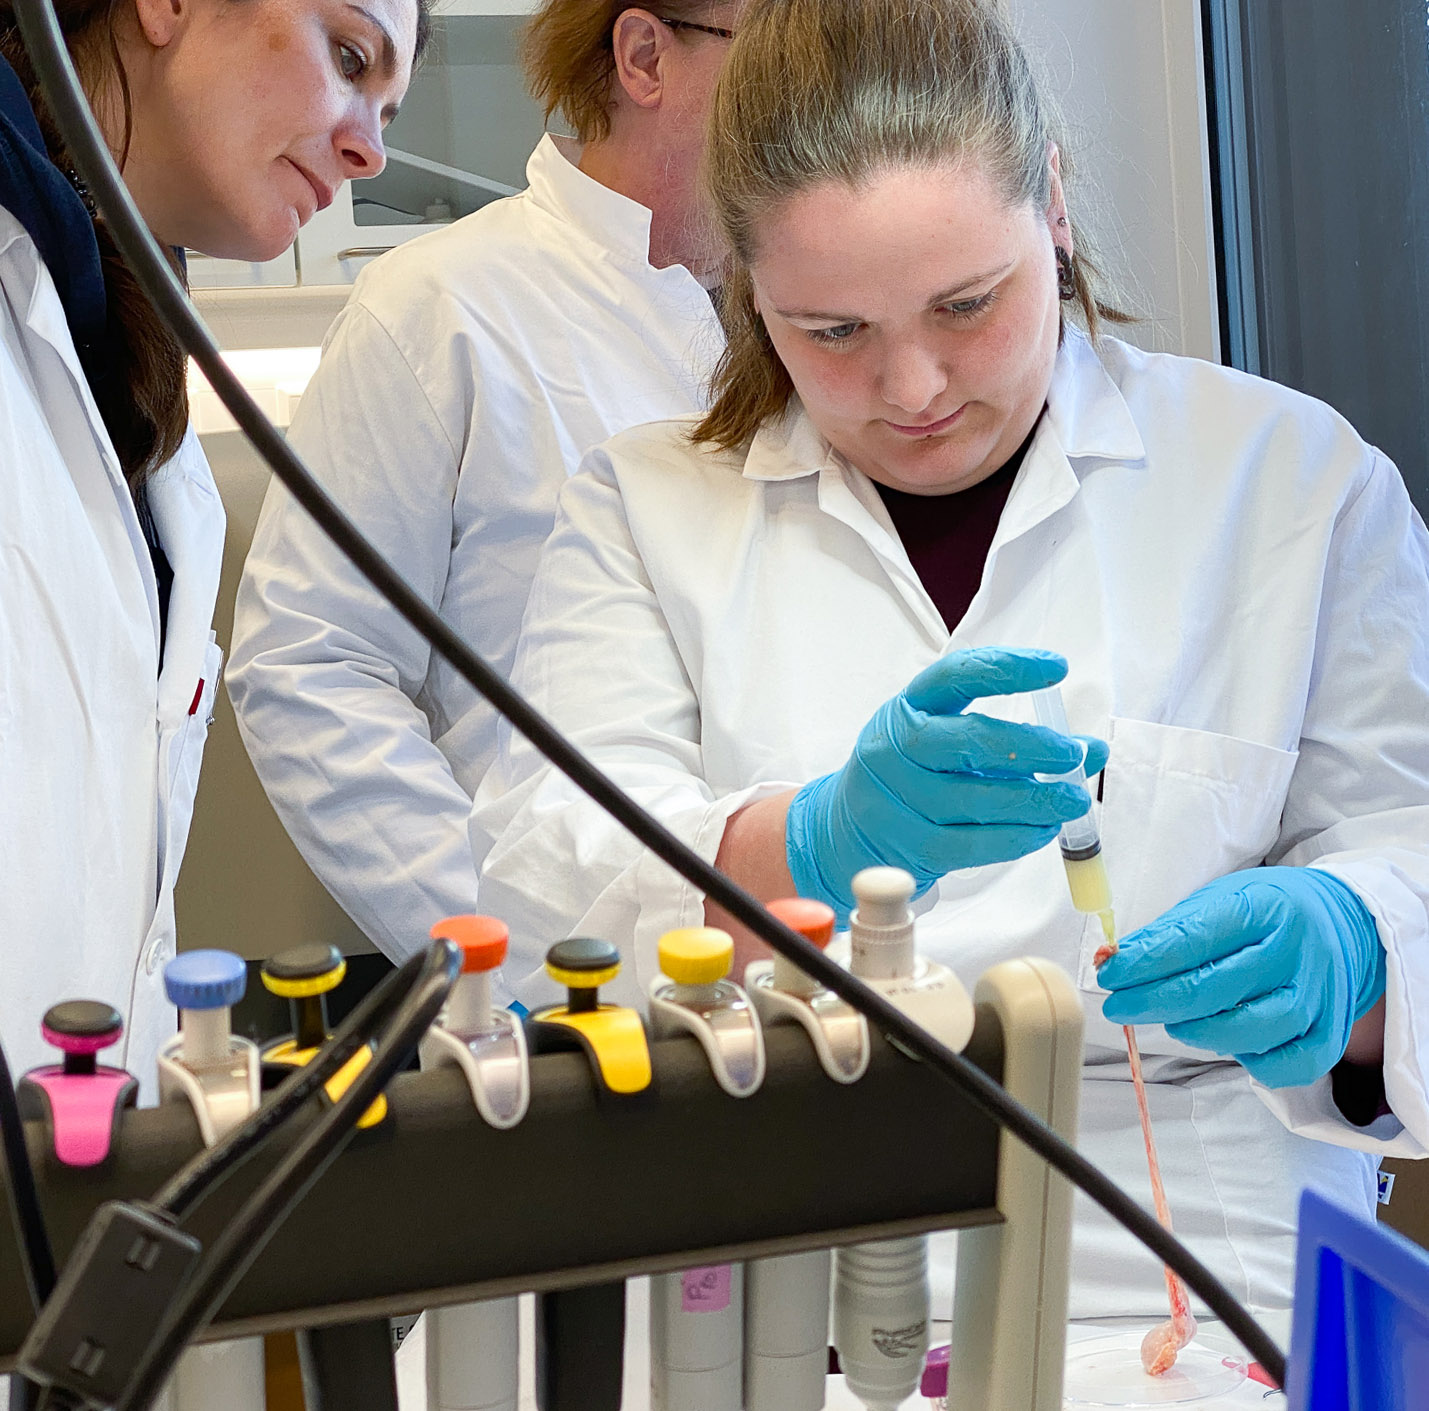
(99, 750)
(1240, 586)
(471, 371)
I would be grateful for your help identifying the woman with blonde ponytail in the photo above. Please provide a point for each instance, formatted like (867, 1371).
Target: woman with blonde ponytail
(232, 122)
(803, 629)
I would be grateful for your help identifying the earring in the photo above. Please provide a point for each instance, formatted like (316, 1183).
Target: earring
(1066, 275)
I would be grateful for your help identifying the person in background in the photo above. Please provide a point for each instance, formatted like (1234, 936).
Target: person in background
(467, 376)
(801, 630)
(232, 123)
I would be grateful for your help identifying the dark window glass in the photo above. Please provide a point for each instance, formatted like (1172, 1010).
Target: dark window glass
(1321, 156)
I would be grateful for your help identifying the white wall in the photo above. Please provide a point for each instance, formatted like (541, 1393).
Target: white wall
(1130, 79)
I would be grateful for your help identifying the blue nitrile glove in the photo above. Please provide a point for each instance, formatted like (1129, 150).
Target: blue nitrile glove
(930, 789)
(1271, 966)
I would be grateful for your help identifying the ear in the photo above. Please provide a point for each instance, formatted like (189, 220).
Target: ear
(161, 20)
(1057, 221)
(640, 43)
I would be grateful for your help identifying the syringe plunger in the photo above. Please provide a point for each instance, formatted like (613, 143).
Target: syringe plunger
(1079, 839)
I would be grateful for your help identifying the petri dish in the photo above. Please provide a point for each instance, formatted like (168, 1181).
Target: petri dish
(1106, 1371)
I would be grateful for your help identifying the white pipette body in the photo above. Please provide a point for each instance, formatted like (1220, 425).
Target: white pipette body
(471, 1356)
(217, 1074)
(786, 1298)
(881, 1293)
(697, 1315)
(472, 1348)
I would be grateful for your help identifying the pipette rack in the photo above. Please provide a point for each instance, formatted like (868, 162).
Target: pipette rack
(578, 1192)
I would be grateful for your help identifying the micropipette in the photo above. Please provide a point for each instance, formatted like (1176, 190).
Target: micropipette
(881, 1294)
(697, 1315)
(217, 1073)
(472, 1348)
(786, 1297)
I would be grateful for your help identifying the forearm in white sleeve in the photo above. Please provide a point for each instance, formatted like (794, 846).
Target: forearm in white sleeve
(599, 659)
(323, 672)
(1359, 801)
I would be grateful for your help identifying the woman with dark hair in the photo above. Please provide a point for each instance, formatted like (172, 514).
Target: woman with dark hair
(803, 629)
(232, 121)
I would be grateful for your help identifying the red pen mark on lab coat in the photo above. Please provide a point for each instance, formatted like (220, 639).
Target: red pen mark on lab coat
(198, 696)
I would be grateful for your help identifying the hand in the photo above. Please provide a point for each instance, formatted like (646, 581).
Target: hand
(1271, 966)
(930, 788)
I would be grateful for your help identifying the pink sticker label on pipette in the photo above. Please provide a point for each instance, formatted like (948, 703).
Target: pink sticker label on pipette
(705, 1290)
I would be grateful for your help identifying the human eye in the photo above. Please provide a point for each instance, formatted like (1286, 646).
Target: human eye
(831, 337)
(351, 61)
(971, 308)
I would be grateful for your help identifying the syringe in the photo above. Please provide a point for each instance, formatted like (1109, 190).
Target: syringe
(1080, 839)
(1081, 844)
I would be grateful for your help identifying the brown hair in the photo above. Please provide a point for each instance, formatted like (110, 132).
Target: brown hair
(567, 51)
(820, 90)
(143, 393)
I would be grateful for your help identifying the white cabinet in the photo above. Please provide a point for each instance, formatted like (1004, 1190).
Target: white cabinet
(205, 272)
(466, 128)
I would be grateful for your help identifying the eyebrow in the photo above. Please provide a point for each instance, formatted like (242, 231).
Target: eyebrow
(942, 298)
(389, 51)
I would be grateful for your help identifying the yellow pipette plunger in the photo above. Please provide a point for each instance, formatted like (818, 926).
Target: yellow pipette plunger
(1080, 839)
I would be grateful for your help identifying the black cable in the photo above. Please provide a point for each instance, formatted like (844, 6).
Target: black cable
(424, 982)
(39, 1257)
(85, 145)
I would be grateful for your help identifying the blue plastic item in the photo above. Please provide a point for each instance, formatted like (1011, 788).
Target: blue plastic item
(1361, 1335)
(205, 979)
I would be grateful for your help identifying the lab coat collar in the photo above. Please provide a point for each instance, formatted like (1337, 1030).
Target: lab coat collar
(615, 223)
(1085, 407)
(1087, 419)
(44, 317)
(188, 516)
(788, 447)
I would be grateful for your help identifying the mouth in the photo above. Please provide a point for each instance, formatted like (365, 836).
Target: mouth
(927, 428)
(321, 193)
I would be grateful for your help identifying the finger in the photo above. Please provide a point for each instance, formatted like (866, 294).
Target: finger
(1204, 990)
(1199, 991)
(945, 850)
(1098, 752)
(882, 827)
(954, 681)
(1293, 1065)
(1259, 1026)
(1209, 925)
(972, 798)
(978, 744)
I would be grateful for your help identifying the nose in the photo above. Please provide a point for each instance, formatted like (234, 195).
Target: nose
(912, 376)
(359, 144)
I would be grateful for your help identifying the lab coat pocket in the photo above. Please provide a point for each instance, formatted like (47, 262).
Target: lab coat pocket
(1180, 808)
(184, 749)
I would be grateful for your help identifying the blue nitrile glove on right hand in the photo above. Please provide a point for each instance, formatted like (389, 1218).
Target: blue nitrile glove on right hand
(1271, 966)
(930, 788)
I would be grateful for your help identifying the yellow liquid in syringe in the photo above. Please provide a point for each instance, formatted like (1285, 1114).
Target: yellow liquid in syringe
(1091, 891)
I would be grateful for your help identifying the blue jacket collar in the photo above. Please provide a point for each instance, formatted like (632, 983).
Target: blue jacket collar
(42, 199)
